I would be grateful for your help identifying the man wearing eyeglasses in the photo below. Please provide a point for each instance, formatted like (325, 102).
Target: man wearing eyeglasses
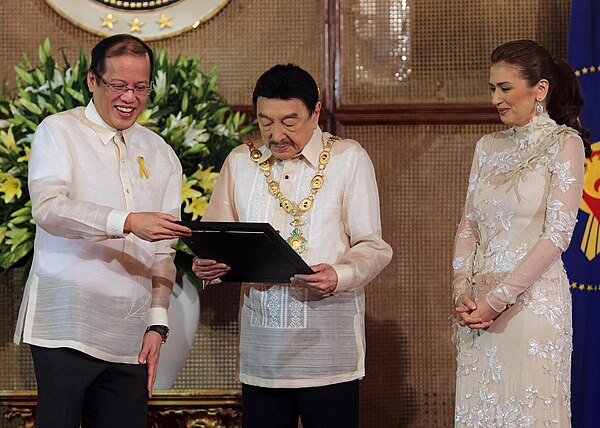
(106, 195)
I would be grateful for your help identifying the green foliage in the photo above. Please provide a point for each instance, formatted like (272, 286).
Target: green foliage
(185, 108)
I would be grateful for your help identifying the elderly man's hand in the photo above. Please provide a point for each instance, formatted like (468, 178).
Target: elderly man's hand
(208, 270)
(151, 226)
(324, 280)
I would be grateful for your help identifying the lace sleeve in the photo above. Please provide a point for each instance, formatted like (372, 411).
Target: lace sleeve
(467, 235)
(566, 187)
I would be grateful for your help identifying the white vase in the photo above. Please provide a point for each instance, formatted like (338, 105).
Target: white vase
(184, 314)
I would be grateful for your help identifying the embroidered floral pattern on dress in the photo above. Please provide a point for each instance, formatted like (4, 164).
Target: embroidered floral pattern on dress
(486, 408)
(559, 224)
(458, 262)
(503, 214)
(466, 234)
(498, 257)
(562, 175)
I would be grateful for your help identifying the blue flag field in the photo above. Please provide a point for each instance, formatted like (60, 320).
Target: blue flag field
(582, 259)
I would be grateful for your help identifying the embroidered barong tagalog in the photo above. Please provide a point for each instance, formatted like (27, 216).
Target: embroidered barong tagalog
(297, 240)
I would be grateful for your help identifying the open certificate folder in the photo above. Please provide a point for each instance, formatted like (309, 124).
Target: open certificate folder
(255, 252)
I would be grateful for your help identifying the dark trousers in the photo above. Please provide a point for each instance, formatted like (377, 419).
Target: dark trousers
(75, 388)
(330, 406)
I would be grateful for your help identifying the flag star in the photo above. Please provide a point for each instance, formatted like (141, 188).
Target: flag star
(574, 285)
(590, 288)
(582, 287)
(577, 73)
(592, 69)
(584, 70)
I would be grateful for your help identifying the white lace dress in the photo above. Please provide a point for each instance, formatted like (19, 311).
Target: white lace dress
(522, 201)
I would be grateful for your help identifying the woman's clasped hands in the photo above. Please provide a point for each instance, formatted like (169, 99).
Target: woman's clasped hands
(474, 314)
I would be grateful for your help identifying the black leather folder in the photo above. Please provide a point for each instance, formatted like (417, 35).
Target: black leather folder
(255, 252)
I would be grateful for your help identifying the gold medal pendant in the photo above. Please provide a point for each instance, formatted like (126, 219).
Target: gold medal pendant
(297, 241)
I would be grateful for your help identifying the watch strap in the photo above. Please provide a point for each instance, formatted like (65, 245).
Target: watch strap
(163, 330)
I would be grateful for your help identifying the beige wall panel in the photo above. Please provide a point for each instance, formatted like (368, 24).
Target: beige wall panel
(447, 45)
(212, 363)
(422, 174)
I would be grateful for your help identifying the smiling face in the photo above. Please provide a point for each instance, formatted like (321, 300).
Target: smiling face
(286, 126)
(512, 96)
(120, 111)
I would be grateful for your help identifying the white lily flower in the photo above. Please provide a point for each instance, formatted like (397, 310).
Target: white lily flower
(160, 83)
(57, 78)
(222, 130)
(194, 135)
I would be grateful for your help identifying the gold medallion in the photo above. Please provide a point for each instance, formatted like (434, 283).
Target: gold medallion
(317, 181)
(273, 188)
(255, 155)
(305, 204)
(265, 166)
(287, 206)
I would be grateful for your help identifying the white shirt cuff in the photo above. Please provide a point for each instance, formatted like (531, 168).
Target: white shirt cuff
(344, 274)
(115, 223)
(157, 316)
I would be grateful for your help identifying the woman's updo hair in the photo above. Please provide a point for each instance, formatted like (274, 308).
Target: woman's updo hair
(534, 62)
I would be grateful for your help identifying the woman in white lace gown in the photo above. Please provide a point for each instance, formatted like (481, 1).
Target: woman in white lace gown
(510, 289)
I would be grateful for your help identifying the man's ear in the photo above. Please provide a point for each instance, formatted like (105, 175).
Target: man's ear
(317, 114)
(91, 81)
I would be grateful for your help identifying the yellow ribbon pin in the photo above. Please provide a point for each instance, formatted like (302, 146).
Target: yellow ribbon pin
(143, 170)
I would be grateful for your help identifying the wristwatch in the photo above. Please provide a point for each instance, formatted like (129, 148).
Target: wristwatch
(163, 330)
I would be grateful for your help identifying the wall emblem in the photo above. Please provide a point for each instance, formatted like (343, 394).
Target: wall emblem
(148, 20)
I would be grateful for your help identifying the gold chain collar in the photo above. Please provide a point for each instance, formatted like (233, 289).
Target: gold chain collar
(296, 239)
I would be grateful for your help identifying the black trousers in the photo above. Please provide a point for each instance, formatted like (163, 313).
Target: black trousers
(330, 406)
(75, 388)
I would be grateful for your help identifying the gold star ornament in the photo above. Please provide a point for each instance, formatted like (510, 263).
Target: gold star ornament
(136, 25)
(108, 21)
(164, 21)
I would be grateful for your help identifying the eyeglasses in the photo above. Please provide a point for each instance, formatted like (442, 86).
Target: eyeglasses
(121, 88)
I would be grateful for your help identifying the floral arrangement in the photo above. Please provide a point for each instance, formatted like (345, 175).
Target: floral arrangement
(184, 108)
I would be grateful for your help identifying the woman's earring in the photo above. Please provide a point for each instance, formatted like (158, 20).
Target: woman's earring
(539, 107)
